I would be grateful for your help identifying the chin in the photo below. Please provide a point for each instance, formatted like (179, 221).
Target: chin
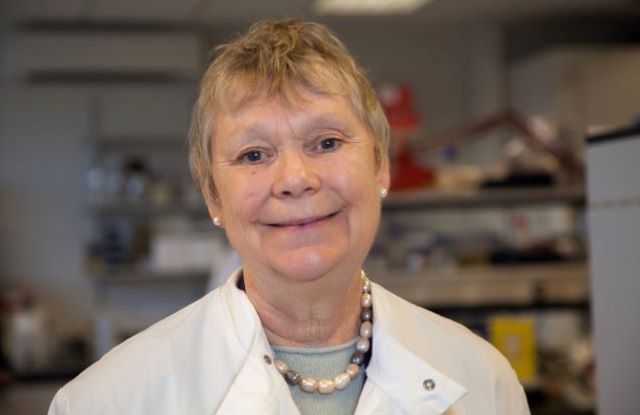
(308, 266)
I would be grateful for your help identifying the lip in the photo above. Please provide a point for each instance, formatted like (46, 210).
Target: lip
(302, 221)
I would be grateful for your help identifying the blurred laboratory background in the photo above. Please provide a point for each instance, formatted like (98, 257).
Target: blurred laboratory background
(498, 108)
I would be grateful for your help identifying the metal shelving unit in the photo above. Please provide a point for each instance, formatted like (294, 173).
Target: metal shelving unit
(492, 287)
(141, 143)
(476, 198)
(142, 210)
(135, 274)
(476, 295)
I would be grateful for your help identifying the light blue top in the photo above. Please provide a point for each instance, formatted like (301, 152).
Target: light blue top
(323, 363)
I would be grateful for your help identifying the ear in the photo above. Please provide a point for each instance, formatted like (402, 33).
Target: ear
(212, 208)
(383, 174)
(212, 202)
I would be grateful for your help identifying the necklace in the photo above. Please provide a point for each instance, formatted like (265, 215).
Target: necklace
(363, 344)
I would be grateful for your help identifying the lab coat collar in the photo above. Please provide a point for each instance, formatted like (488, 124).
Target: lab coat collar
(396, 377)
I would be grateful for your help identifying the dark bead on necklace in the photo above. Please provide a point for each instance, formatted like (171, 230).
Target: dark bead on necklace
(366, 314)
(292, 377)
(357, 358)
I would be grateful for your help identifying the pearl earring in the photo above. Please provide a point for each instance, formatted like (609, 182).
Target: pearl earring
(217, 221)
(383, 192)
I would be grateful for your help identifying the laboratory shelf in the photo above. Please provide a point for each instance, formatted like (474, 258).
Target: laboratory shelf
(134, 274)
(515, 286)
(475, 198)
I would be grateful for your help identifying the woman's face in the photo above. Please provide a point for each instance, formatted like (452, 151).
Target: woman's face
(298, 188)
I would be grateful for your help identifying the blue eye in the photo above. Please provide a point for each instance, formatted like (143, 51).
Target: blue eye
(329, 144)
(252, 156)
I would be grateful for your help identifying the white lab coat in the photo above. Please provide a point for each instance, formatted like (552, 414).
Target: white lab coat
(208, 358)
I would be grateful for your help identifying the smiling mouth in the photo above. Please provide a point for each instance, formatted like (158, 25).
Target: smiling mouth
(303, 222)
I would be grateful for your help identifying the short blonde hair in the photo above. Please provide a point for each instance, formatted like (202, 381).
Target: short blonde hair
(275, 58)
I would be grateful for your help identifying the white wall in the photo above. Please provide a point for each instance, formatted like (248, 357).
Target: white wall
(104, 52)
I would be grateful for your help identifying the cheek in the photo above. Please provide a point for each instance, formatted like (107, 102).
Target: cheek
(241, 197)
(356, 179)
(359, 190)
(362, 188)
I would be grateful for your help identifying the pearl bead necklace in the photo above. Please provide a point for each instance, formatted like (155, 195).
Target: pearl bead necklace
(363, 344)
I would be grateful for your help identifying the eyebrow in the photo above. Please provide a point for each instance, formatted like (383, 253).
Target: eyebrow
(324, 120)
(329, 120)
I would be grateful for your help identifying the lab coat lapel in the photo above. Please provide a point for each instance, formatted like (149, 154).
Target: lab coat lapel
(396, 384)
(258, 389)
(398, 381)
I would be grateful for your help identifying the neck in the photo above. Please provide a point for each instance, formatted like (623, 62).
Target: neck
(322, 312)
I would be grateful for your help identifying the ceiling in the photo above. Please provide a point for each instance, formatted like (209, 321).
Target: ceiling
(205, 12)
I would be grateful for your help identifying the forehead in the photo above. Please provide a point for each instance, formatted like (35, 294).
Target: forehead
(300, 110)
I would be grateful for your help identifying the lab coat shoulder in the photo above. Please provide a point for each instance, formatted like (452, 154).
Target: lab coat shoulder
(454, 350)
(163, 369)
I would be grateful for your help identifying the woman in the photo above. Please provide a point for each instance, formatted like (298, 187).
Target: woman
(289, 145)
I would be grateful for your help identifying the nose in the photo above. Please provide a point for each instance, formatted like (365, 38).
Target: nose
(295, 175)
